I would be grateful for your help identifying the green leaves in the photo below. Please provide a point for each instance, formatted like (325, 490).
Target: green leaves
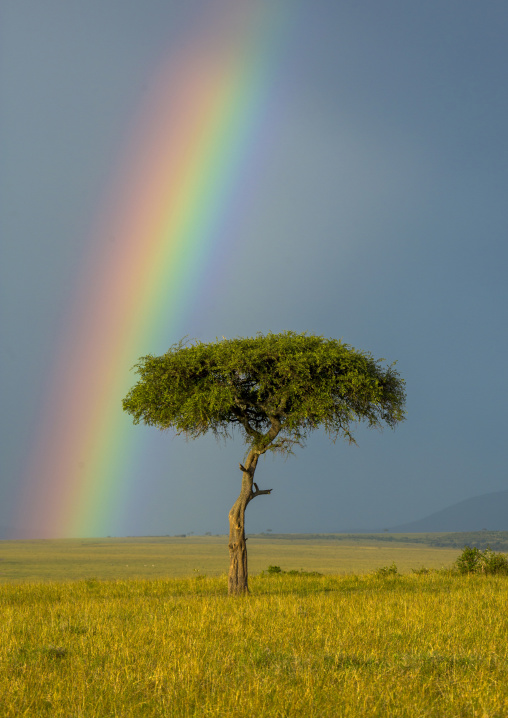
(275, 385)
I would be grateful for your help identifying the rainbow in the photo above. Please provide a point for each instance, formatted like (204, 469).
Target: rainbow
(181, 181)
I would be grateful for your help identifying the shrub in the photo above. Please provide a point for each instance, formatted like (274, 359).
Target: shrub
(274, 569)
(474, 560)
(387, 570)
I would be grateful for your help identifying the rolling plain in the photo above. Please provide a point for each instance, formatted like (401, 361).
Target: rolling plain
(177, 557)
(136, 628)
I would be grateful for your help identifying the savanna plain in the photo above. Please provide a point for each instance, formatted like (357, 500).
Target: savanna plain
(350, 626)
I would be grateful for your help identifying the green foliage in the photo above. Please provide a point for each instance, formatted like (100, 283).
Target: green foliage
(474, 560)
(390, 570)
(275, 385)
(274, 569)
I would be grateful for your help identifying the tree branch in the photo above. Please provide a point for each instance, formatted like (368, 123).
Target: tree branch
(258, 492)
(244, 421)
(270, 435)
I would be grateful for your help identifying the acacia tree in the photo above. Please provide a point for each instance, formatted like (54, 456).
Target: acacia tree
(274, 389)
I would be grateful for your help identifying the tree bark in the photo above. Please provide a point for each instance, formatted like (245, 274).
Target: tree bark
(238, 579)
(238, 574)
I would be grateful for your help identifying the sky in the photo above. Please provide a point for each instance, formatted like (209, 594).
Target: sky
(356, 190)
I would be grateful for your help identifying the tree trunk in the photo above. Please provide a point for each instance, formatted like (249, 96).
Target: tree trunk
(238, 575)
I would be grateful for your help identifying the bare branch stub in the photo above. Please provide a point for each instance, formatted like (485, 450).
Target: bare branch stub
(259, 492)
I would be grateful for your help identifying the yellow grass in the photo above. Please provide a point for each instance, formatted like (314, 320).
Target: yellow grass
(330, 646)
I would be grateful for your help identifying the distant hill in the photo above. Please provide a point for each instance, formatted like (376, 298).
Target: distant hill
(488, 511)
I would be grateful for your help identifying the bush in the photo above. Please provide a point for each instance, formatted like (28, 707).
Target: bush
(474, 560)
(274, 569)
(387, 570)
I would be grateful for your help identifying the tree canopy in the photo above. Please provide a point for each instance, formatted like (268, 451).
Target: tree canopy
(289, 383)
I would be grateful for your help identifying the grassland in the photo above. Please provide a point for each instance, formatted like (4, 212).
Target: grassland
(415, 645)
(331, 646)
(166, 557)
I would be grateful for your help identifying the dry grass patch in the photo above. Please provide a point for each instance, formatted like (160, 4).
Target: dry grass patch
(428, 645)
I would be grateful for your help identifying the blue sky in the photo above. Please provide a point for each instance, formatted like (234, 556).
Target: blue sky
(380, 218)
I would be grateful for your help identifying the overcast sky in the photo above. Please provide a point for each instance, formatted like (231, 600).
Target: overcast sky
(378, 216)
